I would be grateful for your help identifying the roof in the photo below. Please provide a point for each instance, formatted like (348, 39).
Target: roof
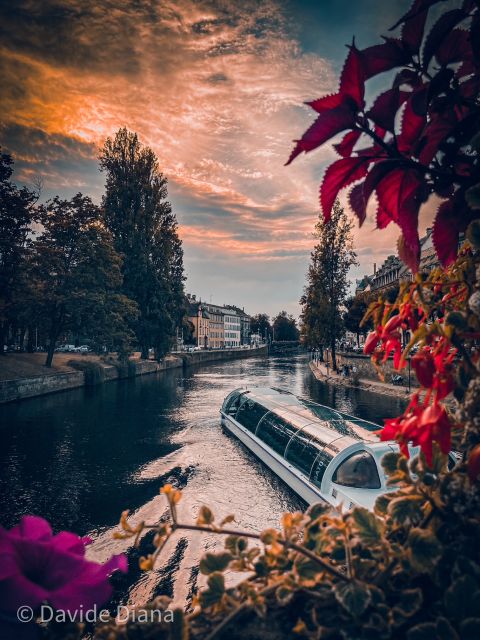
(324, 423)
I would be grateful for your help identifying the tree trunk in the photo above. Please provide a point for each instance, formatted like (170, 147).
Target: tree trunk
(334, 357)
(2, 338)
(358, 339)
(30, 344)
(50, 352)
(144, 353)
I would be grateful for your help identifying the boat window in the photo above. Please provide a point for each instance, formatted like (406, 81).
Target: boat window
(301, 453)
(359, 470)
(231, 404)
(319, 466)
(275, 432)
(249, 414)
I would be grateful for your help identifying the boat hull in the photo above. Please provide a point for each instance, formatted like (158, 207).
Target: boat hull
(285, 471)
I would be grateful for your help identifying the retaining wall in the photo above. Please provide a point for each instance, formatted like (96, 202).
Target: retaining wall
(18, 389)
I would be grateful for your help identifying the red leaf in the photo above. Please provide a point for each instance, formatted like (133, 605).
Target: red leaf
(345, 147)
(327, 102)
(399, 196)
(452, 218)
(412, 125)
(383, 57)
(385, 108)
(439, 32)
(455, 47)
(416, 8)
(357, 203)
(325, 127)
(410, 256)
(433, 135)
(352, 79)
(383, 218)
(338, 175)
(412, 30)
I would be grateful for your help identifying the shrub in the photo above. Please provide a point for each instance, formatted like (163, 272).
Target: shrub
(94, 371)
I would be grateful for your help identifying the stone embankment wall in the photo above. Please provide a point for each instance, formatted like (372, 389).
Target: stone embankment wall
(366, 370)
(21, 388)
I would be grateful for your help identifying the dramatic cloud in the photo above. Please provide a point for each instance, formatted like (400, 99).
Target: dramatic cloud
(214, 87)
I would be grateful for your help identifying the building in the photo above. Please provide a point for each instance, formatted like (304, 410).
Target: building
(232, 328)
(388, 275)
(200, 319)
(245, 322)
(216, 326)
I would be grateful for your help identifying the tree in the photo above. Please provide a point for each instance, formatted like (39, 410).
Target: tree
(356, 308)
(144, 229)
(285, 327)
(327, 284)
(76, 274)
(17, 214)
(260, 324)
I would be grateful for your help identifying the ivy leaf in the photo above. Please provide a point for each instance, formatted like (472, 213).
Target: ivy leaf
(462, 598)
(307, 570)
(470, 629)
(353, 596)
(424, 549)
(369, 526)
(205, 516)
(215, 591)
(445, 631)
(390, 461)
(212, 562)
(424, 631)
(410, 601)
(406, 508)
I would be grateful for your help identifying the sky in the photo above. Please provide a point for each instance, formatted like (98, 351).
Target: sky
(216, 88)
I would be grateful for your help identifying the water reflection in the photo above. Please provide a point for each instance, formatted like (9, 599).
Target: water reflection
(79, 458)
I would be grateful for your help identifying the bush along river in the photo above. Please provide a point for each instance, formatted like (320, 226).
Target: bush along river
(81, 457)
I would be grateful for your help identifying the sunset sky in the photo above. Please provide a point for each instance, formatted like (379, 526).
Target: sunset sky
(216, 89)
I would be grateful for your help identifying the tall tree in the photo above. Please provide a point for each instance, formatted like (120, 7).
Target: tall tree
(356, 308)
(17, 213)
(285, 327)
(76, 275)
(260, 324)
(144, 229)
(327, 283)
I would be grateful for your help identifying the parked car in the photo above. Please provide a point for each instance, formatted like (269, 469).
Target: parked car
(84, 348)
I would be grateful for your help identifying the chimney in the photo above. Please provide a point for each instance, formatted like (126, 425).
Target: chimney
(374, 268)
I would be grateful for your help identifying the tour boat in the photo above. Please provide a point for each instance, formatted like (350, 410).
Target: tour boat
(321, 453)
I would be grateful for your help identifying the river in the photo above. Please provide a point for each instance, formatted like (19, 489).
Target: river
(81, 457)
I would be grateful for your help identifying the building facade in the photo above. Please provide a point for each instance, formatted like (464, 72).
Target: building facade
(245, 322)
(232, 328)
(388, 275)
(216, 326)
(200, 319)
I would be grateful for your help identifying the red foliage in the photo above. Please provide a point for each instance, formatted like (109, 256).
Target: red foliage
(422, 127)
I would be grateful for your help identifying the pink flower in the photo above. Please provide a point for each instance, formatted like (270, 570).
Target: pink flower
(36, 566)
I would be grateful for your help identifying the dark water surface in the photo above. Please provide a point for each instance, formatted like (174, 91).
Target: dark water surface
(81, 457)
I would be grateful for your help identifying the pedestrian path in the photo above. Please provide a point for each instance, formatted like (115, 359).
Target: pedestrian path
(326, 374)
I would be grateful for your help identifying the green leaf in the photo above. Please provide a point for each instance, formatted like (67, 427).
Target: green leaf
(381, 504)
(215, 591)
(462, 598)
(406, 508)
(424, 631)
(410, 601)
(284, 595)
(369, 527)
(353, 596)
(306, 569)
(445, 631)
(470, 629)
(425, 549)
(212, 562)
(389, 462)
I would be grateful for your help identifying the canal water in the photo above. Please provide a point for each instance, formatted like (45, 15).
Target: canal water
(81, 457)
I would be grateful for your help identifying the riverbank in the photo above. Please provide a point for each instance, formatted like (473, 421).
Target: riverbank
(24, 376)
(324, 374)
